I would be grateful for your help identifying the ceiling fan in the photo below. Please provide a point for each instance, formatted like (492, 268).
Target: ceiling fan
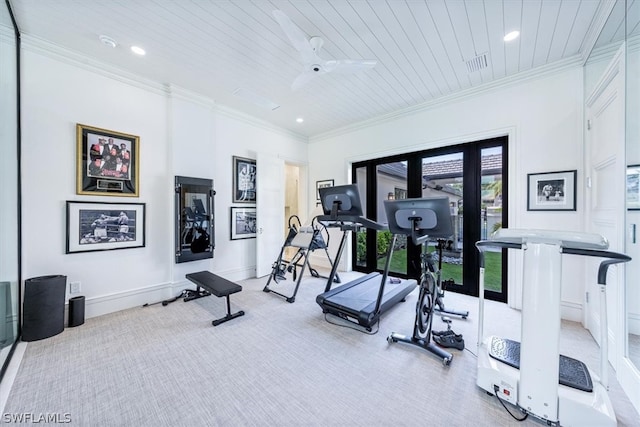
(309, 48)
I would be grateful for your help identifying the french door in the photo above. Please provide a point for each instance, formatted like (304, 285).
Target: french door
(474, 178)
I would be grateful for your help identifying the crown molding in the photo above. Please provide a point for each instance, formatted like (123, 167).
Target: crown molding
(523, 77)
(54, 51)
(183, 94)
(51, 50)
(600, 19)
(254, 121)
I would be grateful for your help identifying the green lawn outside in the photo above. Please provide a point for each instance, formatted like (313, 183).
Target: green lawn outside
(492, 270)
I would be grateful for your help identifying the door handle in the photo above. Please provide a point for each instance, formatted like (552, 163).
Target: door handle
(632, 233)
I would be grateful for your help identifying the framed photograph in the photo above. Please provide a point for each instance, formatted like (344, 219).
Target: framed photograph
(551, 191)
(243, 223)
(322, 184)
(104, 226)
(633, 187)
(244, 180)
(107, 162)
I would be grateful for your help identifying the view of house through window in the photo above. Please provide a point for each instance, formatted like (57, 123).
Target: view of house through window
(442, 176)
(471, 177)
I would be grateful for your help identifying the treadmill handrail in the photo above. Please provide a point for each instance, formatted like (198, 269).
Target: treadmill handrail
(352, 220)
(611, 257)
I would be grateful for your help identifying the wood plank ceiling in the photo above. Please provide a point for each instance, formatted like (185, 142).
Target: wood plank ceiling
(422, 48)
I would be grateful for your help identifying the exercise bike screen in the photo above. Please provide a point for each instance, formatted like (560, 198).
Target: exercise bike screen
(434, 214)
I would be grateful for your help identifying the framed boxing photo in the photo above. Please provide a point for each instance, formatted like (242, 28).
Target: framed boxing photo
(107, 162)
(244, 180)
(104, 226)
(551, 191)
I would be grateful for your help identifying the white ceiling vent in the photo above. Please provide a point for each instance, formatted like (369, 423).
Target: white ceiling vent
(478, 63)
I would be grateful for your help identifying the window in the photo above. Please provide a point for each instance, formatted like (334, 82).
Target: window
(472, 176)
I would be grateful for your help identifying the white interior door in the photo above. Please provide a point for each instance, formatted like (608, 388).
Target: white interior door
(269, 211)
(605, 170)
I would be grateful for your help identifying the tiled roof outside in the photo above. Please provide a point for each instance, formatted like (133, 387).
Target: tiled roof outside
(448, 168)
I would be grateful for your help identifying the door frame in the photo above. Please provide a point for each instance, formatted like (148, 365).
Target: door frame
(471, 233)
(608, 220)
(269, 211)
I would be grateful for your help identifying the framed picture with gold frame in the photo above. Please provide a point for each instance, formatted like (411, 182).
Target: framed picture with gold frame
(107, 162)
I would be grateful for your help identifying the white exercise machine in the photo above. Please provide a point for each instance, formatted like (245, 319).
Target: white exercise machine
(532, 374)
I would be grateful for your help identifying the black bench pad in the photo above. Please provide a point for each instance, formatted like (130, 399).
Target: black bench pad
(219, 287)
(215, 284)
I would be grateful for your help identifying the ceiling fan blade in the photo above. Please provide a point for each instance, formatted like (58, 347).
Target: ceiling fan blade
(304, 78)
(348, 65)
(297, 37)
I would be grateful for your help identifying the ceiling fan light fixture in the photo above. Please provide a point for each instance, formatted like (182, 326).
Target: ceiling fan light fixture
(309, 47)
(511, 36)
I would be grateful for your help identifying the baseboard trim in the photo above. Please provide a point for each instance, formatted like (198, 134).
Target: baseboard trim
(98, 306)
(571, 311)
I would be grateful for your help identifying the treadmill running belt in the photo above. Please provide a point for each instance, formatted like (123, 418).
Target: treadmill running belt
(358, 297)
(573, 373)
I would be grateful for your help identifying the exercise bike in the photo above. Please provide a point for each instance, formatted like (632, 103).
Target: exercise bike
(422, 219)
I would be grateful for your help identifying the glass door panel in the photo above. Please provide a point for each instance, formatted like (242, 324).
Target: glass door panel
(361, 236)
(491, 213)
(391, 183)
(443, 176)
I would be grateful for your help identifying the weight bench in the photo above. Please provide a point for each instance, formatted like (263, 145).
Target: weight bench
(217, 286)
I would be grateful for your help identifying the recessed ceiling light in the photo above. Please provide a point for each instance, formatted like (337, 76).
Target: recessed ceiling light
(108, 41)
(511, 36)
(299, 120)
(138, 50)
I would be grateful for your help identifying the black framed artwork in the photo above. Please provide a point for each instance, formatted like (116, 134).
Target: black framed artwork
(100, 226)
(243, 223)
(244, 180)
(322, 184)
(551, 191)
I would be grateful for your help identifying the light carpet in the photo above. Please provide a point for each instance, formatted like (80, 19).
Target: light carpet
(280, 364)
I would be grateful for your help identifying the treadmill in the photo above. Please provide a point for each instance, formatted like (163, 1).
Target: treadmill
(361, 301)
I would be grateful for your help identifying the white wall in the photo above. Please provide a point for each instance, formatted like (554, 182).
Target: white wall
(184, 134)
(543, 119)
(180, 134)
(8, 166)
